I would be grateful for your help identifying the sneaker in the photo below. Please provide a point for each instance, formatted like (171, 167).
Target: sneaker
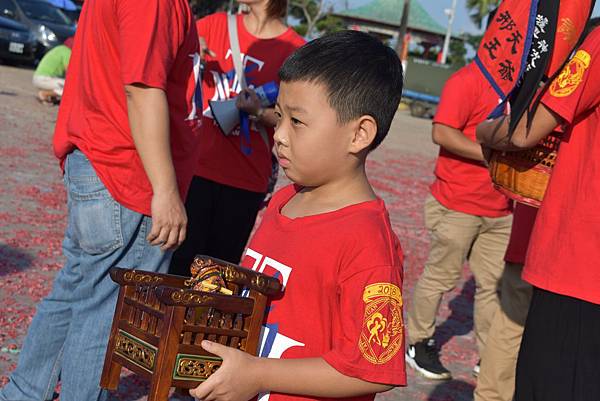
(477, 368)
(424, 357)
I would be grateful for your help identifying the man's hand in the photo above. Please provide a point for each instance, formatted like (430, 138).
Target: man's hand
(236, 380)
(169, 221)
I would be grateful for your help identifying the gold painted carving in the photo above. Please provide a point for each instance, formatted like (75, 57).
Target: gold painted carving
(132, 276)
(195, 367)
(136, 351)
(186, 298)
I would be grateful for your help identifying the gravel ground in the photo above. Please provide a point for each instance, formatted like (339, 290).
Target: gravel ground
(32, 212)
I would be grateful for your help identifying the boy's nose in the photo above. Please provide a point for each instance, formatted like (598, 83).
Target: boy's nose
(280, 137)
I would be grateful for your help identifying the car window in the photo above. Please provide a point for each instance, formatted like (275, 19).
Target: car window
(43, 11)
(8, 9)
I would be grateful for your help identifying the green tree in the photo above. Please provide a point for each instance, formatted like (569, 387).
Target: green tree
(314, 18)
(458, 53)
(479, 9)
(330, 23)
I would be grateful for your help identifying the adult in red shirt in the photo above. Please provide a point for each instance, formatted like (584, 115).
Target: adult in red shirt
(560, 351)
(467, 219)
(126, 140)
(232, 175)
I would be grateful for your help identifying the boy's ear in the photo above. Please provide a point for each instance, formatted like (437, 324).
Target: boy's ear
(364, 134)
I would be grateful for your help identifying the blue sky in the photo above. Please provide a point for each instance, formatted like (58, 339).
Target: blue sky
(462, 23)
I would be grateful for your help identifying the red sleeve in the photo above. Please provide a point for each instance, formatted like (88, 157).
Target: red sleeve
(570, 95)
(150, 34)
(368, 334)
(454, 109)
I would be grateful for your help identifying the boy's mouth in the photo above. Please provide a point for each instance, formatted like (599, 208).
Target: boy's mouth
(283, 161)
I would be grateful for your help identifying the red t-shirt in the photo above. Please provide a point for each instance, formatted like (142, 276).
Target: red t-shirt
(221, 158)
(123, 42)
(462, 184)
(520, 233)
(342, 301)
(565, 245)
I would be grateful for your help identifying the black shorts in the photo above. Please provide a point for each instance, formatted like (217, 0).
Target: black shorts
(559, 358)
(220, 220)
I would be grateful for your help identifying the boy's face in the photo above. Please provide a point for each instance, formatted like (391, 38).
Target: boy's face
(312, 146)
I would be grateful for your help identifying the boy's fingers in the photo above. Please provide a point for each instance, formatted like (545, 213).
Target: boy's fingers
(202, 391)
(215, 348)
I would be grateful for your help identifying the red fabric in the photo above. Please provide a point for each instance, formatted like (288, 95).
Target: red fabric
(123, 42)
(523, 220)
(221, 158)
(326, 263)
(572, 17)
(501, 50)
(564, 251)
(462, 184)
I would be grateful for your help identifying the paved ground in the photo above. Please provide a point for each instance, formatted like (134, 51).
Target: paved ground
(32, 216)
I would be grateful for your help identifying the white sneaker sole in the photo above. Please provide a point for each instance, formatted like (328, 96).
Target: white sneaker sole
(425, 373)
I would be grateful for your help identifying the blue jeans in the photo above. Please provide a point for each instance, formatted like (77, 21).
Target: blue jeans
(70, 330)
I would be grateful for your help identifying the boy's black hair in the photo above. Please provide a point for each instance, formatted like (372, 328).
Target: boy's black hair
(361, 75)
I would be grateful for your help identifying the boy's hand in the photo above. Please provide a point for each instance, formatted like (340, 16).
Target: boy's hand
(236, 380)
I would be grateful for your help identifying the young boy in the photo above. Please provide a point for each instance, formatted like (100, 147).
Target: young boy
(337, 331)
(559, 357)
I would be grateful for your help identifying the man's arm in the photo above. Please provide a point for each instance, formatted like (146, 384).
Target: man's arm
(149, 122)
(455, 141)
(242, 376)
(494, 133)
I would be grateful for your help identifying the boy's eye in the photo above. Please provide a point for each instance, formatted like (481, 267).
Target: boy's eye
(295, 121)
(278, 115)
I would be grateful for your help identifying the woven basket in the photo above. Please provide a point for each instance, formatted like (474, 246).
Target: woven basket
(523, 176)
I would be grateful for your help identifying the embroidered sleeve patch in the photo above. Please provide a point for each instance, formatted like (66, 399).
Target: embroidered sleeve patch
(571, 76)
(381, 335)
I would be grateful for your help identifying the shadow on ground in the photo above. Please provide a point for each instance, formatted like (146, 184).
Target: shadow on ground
(452, 390)
(13, 260)
(460, 321)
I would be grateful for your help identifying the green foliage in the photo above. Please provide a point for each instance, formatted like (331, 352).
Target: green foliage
(329, 24)
(457, 54)
(298, 9)
(480, 9)
(307, 13)
(300, 29)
